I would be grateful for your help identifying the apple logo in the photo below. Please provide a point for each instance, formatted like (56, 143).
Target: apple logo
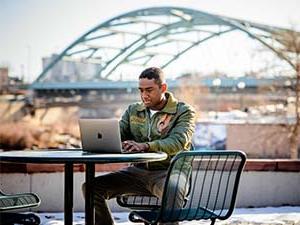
(99, 136)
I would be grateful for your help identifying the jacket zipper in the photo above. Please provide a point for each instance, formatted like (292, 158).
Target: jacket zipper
(150, 123)
(149, 126)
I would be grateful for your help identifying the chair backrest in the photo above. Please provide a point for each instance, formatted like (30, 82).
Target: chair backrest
(141, 202)
(18, 201)
(213, 177)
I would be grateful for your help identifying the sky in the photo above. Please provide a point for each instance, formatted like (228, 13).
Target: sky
(32, 29)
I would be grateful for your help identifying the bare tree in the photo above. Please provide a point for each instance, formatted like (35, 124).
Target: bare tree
(289, 50)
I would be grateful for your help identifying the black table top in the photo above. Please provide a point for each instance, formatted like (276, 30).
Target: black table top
(76, 156)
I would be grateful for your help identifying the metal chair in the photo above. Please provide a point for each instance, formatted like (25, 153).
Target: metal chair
(141, 201)
(213, 179)
(18, 201)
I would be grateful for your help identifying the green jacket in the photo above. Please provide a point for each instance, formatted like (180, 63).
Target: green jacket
(169, 130)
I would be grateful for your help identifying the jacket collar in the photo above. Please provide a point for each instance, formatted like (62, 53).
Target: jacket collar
(170, 107)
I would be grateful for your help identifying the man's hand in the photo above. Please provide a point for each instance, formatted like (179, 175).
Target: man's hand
(132, 146)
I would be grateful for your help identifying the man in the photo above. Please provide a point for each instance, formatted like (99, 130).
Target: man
(158, 123)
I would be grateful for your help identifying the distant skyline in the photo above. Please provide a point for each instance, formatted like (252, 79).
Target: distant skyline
(32, 29)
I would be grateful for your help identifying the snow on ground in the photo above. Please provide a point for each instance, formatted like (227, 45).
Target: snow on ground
(252, 216)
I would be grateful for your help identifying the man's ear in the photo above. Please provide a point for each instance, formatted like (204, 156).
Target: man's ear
(164, 87)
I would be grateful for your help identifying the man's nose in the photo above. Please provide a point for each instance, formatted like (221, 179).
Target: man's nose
(144, 95)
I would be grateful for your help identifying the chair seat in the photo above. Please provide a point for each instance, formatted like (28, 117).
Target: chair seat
(190, 214)
(181, 214)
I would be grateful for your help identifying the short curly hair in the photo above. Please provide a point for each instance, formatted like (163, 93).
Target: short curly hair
(153, 73)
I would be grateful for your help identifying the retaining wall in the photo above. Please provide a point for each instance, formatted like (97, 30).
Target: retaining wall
(263, 183)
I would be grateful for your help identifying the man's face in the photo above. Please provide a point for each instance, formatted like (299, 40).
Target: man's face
(151, 93)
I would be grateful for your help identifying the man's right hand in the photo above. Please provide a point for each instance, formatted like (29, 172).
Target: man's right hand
(132, 146)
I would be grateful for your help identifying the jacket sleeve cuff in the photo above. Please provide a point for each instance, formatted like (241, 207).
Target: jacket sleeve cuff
(152, 146)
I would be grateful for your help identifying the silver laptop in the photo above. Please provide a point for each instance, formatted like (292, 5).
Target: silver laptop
(100, 135)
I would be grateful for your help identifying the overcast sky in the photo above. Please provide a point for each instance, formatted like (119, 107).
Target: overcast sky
(32, 29)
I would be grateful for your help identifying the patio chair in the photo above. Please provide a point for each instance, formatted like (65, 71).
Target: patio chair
(141, 201)
(18, 201)
(213, 183)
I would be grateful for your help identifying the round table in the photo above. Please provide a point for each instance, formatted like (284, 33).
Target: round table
(69, 157)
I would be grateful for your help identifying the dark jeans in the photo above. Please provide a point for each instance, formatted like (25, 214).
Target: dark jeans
(131, 180)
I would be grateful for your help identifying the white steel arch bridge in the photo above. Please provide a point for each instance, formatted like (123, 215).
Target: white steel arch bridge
(142, 37)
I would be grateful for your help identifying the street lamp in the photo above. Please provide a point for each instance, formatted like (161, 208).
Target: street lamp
(241, 86)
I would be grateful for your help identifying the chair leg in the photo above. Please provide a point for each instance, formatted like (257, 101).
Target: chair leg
(212, 221)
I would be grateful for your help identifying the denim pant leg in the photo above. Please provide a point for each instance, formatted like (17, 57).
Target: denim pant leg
(111, 185)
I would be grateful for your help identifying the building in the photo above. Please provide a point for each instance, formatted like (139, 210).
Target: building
(4, 80)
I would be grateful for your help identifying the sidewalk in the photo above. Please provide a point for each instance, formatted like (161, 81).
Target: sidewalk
(253, 216)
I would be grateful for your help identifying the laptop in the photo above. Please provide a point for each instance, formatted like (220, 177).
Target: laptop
(100, 135)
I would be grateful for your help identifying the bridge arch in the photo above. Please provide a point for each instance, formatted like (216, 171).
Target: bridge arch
(136, 37)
